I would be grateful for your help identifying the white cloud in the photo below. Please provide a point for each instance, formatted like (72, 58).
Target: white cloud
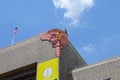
(89, 48)
(74, 8)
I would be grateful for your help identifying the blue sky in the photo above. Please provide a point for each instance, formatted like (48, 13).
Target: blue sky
(93, 25)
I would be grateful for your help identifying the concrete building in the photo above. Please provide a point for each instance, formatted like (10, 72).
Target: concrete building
(106, 70)
(19, 62)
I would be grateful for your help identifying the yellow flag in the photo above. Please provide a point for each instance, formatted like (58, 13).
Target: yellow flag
(48, 70)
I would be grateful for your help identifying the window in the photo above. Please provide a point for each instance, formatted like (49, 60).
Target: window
(24, 73)
(107, 79)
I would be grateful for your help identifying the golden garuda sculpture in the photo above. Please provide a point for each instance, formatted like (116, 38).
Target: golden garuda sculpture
(57, 37)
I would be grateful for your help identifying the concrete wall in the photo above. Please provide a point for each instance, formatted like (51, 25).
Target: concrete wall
(24, 53)
(34, 50)
(100, 71)
(69, 60)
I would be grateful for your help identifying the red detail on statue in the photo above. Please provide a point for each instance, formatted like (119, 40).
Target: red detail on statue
(57, 37)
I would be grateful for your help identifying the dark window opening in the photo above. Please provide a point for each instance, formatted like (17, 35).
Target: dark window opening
(25, 73)
(108, 79)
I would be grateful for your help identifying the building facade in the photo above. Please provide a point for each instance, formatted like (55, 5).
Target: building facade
(19, 62)
(106, 70)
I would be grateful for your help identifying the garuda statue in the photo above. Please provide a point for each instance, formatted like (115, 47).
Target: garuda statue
(57, 37)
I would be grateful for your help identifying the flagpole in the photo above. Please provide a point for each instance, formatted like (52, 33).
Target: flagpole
(12, 39)
(13, 36)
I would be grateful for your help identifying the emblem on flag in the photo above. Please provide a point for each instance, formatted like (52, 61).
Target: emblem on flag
(48, 70)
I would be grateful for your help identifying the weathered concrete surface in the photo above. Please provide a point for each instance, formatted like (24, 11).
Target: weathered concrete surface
(99, 71)
(24, 53)
(34, 50)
